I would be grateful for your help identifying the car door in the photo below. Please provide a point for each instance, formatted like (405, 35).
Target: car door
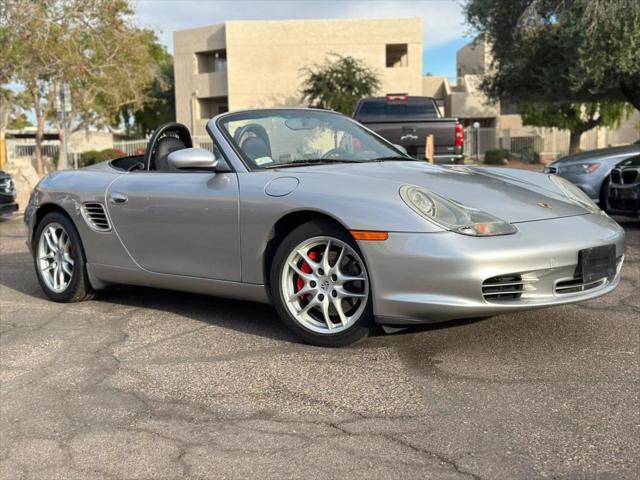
(180, 223)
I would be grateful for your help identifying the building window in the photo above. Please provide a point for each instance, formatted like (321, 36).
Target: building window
(214, 61)
(211, 106)
(397, 55)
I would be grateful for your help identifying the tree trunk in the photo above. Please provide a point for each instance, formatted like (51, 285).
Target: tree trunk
(574, 141)
(5, 108)
(39, 130)
(631, 92)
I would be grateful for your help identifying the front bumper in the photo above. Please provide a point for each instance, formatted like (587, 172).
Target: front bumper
(432, 277)
(624, 199)
(8, 208)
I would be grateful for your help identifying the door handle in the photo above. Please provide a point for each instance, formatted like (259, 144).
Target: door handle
(118, 198)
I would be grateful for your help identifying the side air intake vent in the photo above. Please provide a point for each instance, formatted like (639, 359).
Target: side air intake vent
(96, 217)
(504, 287)
(577, 285)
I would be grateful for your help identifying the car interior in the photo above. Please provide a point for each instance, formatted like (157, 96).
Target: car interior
(253, 141)
(168, 138)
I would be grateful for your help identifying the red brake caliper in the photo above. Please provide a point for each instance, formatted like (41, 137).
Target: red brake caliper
(305, 268)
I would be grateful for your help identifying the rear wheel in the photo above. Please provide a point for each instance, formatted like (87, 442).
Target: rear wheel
(321, 287)
(59, 260)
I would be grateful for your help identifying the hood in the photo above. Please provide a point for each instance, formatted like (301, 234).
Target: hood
(601, 154)
(512, 196)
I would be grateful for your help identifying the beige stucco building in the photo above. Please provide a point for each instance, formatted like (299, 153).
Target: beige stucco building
(245, 64)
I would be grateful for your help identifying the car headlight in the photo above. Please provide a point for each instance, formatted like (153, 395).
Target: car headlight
(452, 215)
(580, 168)
(574, 194)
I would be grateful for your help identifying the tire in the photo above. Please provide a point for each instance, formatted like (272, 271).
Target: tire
(69, 259)
(304, 296)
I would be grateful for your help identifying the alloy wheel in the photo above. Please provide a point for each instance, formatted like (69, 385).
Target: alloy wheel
(55, 257)
(325, 285)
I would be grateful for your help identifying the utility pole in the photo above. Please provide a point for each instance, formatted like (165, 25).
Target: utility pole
(476, 127)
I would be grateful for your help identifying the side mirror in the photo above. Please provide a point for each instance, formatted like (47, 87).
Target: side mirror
(401, 148)
(193, 158)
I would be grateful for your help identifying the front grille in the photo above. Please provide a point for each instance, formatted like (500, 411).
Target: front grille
(504, 287)
(95, 215)
(576, 285)
(7, 186)
(615, 176)
(629, 176)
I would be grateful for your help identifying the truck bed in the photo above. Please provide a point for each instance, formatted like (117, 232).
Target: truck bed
(411, 131)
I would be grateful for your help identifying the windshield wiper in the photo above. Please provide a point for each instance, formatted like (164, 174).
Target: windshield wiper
(398, 158)
(311, 161)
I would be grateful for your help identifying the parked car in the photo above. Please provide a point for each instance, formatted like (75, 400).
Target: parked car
(407, 120)
(310, 211)
(590, 170)
(624, 188)
(8, 203)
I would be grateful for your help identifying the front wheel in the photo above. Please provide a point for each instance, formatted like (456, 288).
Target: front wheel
(320, 285)
(59, 260)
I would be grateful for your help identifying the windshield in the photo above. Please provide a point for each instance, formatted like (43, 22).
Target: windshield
(274, 138)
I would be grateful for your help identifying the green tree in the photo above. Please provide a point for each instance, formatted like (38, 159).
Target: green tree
(339, 84)
(158, 106)
(609, 48)
(575, 117)
(19, 121)
(545, 58)
(90, 45)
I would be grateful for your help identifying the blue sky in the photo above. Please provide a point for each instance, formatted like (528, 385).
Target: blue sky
(443, 21)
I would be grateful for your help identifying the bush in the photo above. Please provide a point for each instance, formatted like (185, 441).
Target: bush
(92, 157)
(530, 155)
(496, 157)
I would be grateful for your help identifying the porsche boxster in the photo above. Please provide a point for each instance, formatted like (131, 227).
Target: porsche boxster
(338, 228)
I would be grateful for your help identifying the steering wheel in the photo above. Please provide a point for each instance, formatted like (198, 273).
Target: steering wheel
(334, 153)
(136, 166)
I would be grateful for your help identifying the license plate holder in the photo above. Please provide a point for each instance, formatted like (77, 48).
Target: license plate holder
(597, 262)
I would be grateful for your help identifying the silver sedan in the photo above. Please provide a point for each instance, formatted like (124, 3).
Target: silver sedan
(335, 226)
(591, 170)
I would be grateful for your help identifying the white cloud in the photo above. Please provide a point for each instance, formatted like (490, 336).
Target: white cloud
(443, 20)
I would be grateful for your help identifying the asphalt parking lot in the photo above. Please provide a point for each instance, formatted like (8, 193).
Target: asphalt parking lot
(149, 384)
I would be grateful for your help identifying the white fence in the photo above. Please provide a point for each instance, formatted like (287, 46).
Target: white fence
(548, 141)
(18, 149)
(138, 146)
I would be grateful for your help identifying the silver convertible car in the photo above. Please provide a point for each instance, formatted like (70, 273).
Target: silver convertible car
(335, 226)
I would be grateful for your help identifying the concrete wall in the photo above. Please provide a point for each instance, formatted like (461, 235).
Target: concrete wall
(83, 140)
(266, 58)
(471, 101)
(473, 58)
(189, 84)
(434, 87)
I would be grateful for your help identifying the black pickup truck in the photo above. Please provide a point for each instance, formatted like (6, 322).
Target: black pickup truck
(407, 120)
